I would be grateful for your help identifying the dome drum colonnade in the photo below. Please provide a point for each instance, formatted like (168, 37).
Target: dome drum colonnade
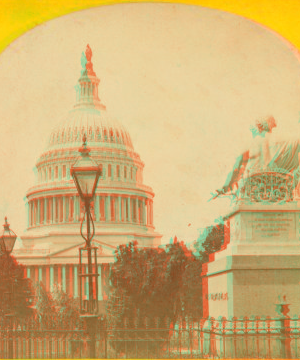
(108, 208)
(122, 207)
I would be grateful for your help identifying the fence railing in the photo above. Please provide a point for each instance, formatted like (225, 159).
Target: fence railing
(153, 338)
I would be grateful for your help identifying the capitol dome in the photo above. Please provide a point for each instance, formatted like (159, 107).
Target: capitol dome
(100, 129)
(122, 209)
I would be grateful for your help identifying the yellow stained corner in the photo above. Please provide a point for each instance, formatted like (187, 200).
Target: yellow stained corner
(17, 17)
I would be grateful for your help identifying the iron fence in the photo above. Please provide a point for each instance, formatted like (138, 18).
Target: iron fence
(156, 338)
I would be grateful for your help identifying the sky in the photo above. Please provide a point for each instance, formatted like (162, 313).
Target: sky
(187, 82)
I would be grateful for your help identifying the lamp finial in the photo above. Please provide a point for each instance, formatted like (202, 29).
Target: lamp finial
(6, 225)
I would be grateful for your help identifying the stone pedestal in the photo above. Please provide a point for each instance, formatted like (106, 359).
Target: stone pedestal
(259, 263)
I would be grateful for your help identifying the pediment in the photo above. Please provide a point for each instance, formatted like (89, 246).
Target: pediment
(73, 251)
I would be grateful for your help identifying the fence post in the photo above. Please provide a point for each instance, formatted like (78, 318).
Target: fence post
(10, 339)
(105, 329)
(282, 309)
(212, 340)
(91, 324)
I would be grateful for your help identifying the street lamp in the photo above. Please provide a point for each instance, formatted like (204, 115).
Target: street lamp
(86, 173)
(7, 240)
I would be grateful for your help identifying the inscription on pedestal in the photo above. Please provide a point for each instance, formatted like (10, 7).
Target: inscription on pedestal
(270, 225)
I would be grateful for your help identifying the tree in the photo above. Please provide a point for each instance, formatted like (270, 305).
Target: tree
(66, 307)
(15, 289)
(211, 241)
(148, 282)
(56, 308)
(150, 287)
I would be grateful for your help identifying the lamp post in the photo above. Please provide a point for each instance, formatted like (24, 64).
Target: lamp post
(86, 173)
(7, 242)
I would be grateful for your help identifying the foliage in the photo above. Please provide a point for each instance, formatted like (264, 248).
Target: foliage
(149, 282)
(56, 307)
(66, 306)
(15, 289)
(164, 283)
(210, 241)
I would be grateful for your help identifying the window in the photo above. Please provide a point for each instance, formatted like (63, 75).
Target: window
(118, 171)
(105, 134)
(125, 172)
(98, 133)
(49, 172)
(64, 171)
(131, 174)
(56, 172)
(111, 135)
(109, 170)
(101, 170)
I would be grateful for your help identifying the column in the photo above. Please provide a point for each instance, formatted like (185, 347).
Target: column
(29, 214)
(50, 209)
(97, 208)
(147, 212)
(54, 205)
(143, 212)
(151, 212)
(75, 281)
(75, 211)
(59, 275)
(71, 208)
(47, 279)
(34, 205)
(40, 274)
(67, 208)
(41, 211)
(51, 277)
(28, 273)
(103, 208)
(64, 278)
(108, 210)
(71, 280)
(137, 211)
(119, 209)
(59, 201)
(32, 213)
(63, 217)
(38, 216)
(128, 209)
(122, 209)
(45, 210)
(78, 208)
(36, 274)
(99, 284)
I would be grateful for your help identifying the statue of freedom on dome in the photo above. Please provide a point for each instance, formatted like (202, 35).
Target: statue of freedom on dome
(86, 63)
(83, 63)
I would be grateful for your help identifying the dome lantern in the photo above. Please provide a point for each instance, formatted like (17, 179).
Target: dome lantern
(87, 87)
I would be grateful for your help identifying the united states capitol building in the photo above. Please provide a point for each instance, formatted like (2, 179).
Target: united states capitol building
(123, 206)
